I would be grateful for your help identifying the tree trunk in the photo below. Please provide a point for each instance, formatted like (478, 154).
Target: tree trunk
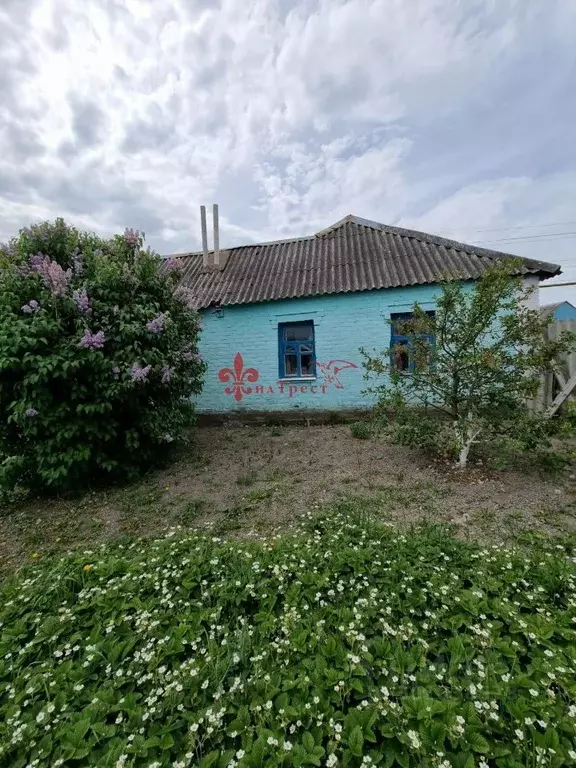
(466, 436)
(463, 455)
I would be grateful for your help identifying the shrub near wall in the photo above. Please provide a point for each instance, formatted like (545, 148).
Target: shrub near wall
(98, 357)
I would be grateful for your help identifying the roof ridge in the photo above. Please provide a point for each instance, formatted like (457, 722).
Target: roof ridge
(336, 225)
(446, 242)
(415, 234)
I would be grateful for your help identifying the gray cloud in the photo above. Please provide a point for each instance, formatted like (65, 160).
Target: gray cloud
(21, 145)
(157, 129)
(87, 121)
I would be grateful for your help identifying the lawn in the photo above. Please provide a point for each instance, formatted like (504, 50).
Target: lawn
(341, 643)
(253, 481)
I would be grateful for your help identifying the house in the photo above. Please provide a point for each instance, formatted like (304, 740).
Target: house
(284, 321)
(562, 310)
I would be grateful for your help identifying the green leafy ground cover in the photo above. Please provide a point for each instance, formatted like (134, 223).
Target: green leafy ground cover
(343, 644)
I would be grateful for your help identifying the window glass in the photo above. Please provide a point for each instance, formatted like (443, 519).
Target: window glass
(403, 351)
(290, 365)
(297, 354)
(299, 332)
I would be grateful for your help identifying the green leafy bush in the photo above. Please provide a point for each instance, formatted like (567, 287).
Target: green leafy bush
(345, 645)
(476, 359)
(360, 430)
(508, 452)
(564, 422)
(98, 357)
(414, 427)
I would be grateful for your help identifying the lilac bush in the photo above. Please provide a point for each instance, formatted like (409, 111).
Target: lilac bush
(82, 300)
(31, 307)
(92, 340)
(139, 373)
(98, 357)
(156, 325)
(131, 237)
(53, 275)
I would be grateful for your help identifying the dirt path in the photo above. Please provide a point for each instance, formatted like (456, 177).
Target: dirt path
(253, 480)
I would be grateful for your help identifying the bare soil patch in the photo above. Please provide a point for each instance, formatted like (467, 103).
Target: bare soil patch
(246, 481)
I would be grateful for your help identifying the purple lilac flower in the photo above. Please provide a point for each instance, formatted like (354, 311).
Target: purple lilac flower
(82, 301)
(9, 248)
(31, 307)
(31, 412)
(188, 355)
(35, 261)
(78, 264)
(131, 236)
(186, 296)
(168, 438)
(138, 373)
(92, 340)
(52, 273)
(35, 230)
(172, 264)
(156, 325)
(167, 373)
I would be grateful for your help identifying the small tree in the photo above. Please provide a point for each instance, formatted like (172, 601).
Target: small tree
(475, 360)
(98, 357)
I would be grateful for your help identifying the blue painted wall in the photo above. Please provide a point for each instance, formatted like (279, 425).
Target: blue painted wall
(565, 312)
(342, 323)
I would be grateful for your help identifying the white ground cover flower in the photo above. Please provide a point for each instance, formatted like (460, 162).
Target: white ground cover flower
(219, 646)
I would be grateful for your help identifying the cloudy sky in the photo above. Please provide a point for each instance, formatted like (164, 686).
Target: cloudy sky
(452, 116)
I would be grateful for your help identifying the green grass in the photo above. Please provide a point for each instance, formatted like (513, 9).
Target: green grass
(191, 511)
(249, 478)
(344, 643)
(260, 494)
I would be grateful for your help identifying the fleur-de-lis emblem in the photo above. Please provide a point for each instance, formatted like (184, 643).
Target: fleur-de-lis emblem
(238, 375)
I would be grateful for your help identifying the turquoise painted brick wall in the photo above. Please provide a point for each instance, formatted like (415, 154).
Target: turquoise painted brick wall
(342, 323)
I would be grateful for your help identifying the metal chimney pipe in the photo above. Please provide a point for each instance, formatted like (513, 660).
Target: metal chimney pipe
(216, 236)
(204, 235)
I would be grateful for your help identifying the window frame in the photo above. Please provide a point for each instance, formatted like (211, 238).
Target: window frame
(399, 338)
(297, 343)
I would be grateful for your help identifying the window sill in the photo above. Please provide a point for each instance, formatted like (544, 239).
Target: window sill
(297, 379)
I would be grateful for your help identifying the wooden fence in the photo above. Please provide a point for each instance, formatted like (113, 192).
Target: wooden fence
(559, 386)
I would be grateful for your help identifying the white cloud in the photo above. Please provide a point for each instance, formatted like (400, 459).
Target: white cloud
(291, 113)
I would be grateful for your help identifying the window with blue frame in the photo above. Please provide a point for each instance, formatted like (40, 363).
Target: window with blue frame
(296, 349)
(401, 347)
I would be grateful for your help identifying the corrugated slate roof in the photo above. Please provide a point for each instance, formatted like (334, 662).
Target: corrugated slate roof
(352, 255)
